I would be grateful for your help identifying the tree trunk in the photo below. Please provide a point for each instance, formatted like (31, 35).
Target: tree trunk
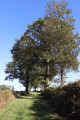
(62, 73)
(47, 73)
(35, 89)
(47, 68)
(27, 85)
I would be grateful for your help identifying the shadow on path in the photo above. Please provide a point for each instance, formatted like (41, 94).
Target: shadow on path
(41, 111)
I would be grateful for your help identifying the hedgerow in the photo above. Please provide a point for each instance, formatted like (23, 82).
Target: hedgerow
(66, 99)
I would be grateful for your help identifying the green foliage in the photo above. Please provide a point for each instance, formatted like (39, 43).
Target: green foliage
(49, 93)
(4, 87)
(47, 48)
(59, 32)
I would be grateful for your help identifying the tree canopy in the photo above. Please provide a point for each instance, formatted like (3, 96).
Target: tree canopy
(47, 48)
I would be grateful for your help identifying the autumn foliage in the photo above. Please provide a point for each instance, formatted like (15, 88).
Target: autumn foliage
(66, 100)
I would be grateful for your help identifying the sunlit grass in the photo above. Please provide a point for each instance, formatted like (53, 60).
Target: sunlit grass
(27, 108)
(24, 108)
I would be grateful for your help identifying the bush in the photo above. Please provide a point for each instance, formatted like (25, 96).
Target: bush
(5, 87)
(66, 99)
(48, 93)
(19, 93)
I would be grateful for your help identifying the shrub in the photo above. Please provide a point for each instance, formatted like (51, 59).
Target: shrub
(5, 87)
(48, 93)
(66, 99)
(19, 93)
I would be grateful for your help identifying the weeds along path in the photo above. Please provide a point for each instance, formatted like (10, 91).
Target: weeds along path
(24, 108)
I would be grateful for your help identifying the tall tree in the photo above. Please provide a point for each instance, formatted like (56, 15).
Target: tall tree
(21, 66)
(65, 43)
(43, 44)
(48, 47)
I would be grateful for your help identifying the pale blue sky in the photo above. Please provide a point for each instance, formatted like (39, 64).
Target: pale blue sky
(15, 15)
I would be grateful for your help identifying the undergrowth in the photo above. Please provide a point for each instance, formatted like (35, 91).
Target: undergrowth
(65, 100)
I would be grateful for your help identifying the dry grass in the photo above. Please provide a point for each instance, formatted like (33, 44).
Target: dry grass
(5, 96)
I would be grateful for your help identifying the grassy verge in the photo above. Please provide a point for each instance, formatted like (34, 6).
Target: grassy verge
(24, 108)
(5, 95)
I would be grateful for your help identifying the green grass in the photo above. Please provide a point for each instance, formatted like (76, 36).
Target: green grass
(27, 108)
(24, 108)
